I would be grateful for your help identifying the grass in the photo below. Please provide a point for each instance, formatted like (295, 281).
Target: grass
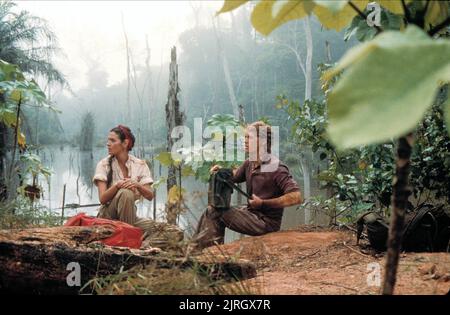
(22, 213)
(174, 280)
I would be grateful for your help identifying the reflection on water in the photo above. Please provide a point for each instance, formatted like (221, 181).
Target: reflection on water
(75, 169)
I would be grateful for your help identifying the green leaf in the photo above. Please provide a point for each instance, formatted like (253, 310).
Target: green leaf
(269, 15)
(388, 85)
(437, 12)
(16, 95)
(337, 15)
(8, 117)
(175, 194)
(159, 182)
(393, 6)
(187, 171)
(230, 5)
(333, 6)
(447, 113)
(165, 158)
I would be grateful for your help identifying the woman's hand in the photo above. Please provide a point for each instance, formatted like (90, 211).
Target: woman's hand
(119, 184)
(130, 184)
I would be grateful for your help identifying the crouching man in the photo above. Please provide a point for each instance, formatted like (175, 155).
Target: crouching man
(269, 184)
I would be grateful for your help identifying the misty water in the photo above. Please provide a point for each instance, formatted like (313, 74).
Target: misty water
(75, 169)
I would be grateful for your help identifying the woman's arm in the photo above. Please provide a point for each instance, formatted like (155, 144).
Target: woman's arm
(144, 189)
(106, 194)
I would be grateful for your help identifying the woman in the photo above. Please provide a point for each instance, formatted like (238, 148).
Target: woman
(122, 179)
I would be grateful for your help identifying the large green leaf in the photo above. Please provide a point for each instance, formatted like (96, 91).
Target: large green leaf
(333, 6)
(268, 15)
(437, 12)
(7, 116)
(230, 5)
(447, 113)
(338, 16)
(395, 6)
(165, 158)
(387, 86)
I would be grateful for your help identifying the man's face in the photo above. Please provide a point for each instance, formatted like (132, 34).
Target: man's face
(251, 139)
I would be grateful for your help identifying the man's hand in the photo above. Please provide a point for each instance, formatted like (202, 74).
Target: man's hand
(215, 168)
(255, 202)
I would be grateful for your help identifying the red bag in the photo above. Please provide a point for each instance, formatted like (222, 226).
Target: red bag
(125, 235)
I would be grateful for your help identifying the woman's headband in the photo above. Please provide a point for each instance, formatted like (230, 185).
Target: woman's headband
(127, 136)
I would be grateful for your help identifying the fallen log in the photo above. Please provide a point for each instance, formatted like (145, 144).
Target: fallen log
(46, 260)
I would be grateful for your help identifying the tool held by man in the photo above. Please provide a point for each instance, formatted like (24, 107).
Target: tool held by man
(221, 187)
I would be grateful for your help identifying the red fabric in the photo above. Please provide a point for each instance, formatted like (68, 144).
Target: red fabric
(125, 235)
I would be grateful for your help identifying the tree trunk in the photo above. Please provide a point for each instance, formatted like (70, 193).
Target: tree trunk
(308, 95)
(304, 164)
(150, 91)
(401, 192)
(38, 260)
(308, 64)
(3, 137)
(226, 71)
(328, 51)
(174, 117)
(128, 105)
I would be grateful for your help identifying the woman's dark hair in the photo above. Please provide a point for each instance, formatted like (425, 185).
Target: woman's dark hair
(123, 132)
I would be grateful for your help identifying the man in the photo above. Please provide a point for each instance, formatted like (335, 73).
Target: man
(269, 184)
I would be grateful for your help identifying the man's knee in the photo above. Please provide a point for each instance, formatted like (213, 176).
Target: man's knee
(212, 213)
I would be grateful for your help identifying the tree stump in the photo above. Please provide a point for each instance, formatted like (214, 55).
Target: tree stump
(41, 260)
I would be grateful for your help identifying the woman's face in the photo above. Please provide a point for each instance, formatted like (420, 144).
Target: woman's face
(115, 145)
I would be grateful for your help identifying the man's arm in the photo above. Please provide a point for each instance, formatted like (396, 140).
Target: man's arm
(288, 199)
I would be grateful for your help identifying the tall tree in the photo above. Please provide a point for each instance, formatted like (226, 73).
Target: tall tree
(226, 71)
(127, 50)
(174, 117)
(28, 42)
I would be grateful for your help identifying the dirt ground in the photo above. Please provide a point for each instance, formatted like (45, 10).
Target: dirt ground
(323, 261)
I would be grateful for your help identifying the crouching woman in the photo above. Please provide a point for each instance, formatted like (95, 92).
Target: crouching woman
(122, 179)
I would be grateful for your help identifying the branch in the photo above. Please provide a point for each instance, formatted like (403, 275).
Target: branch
(425, 9)
(439, 27)
(299, 59)
(364, 16)
(407, 13)
(16, 131)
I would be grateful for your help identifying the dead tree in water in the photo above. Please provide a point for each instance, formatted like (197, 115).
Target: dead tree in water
(87, 131)
(174, 117)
